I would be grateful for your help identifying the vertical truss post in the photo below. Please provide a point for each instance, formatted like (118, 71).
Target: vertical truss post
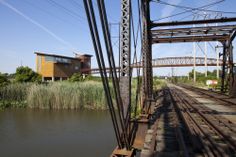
(232, 81)
(147, 82)
(125, 56)
(223, 67)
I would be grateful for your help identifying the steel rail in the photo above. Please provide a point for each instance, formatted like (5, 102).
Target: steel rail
(193, 129)
(208, 93)
(184, 99)
(179, 134)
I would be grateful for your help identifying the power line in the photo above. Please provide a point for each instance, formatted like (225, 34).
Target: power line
(199, 9)
(77, 4)
(201, 48)
(211, 46)
(189, 10)
(47, 12)
(72, 13)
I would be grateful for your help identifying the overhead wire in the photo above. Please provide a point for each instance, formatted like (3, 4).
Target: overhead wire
(200, 48)
(189, 10)
(59, 6)
(199, 9)
(65, 21)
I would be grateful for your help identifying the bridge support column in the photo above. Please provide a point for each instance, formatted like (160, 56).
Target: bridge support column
(232, 73)
(223, 74)
(147, 54)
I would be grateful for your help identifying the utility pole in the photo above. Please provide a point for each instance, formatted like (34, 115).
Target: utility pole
(194, 61)
(205, 49)
(172, 74)
(217, 61)
(205, 46)
(194, 58)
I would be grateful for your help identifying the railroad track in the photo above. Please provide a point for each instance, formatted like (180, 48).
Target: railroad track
(220, 97)
(211, 134)
(170, 133)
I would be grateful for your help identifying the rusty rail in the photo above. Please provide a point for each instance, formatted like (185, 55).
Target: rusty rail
(210, 130)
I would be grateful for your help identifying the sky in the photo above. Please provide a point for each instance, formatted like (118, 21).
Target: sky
(60, 27)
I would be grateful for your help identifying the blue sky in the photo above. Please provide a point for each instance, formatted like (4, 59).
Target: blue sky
(42, 25)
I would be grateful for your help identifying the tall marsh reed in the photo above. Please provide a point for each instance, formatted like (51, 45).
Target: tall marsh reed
(58, 95)
(66, 95)
(14, 95)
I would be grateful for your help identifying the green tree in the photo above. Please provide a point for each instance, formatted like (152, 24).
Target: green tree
(26, 74)
(3, 79)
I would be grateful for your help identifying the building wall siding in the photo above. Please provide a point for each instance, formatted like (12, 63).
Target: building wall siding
(45, 68)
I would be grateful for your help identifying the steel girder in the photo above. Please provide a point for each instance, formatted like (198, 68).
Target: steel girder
(125, 55)
(147, 52)
(191, 34)
(209, 30)
(179, 23)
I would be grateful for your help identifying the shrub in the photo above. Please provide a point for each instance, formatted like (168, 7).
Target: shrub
(3, 80)
(25, 74)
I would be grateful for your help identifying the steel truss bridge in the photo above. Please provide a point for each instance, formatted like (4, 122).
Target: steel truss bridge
(181, 62)
(169, 62)
(130, 133)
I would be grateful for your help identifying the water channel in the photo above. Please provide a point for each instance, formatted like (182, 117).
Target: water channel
(60, 133)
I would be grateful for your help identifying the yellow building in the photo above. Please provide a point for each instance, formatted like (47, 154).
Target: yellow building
(56, 67)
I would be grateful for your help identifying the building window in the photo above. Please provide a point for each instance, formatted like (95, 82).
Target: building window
(62, 60)
(49, 59)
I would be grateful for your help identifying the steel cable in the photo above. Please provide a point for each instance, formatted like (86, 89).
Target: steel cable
(107, 39)
(100, 59)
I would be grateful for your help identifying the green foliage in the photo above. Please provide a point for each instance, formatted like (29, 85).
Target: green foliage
(14, 95)
(158, 84)
(25, 74)
(200, 78)
(56, 95)
(76, 77)
(92, 78)
(67, 95)
(3, 80)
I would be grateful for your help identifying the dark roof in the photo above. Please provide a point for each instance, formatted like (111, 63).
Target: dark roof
(87, 55)
(54, 55)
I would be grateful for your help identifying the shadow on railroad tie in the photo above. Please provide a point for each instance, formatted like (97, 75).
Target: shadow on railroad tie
(220, 113)
(166, 141)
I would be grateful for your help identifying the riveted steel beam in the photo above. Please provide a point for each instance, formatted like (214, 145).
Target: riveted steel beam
(179, 23)
(125, 55)
(147, 52)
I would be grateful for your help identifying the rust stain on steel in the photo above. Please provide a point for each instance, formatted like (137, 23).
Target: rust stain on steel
(122, 152)
(140, 134)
